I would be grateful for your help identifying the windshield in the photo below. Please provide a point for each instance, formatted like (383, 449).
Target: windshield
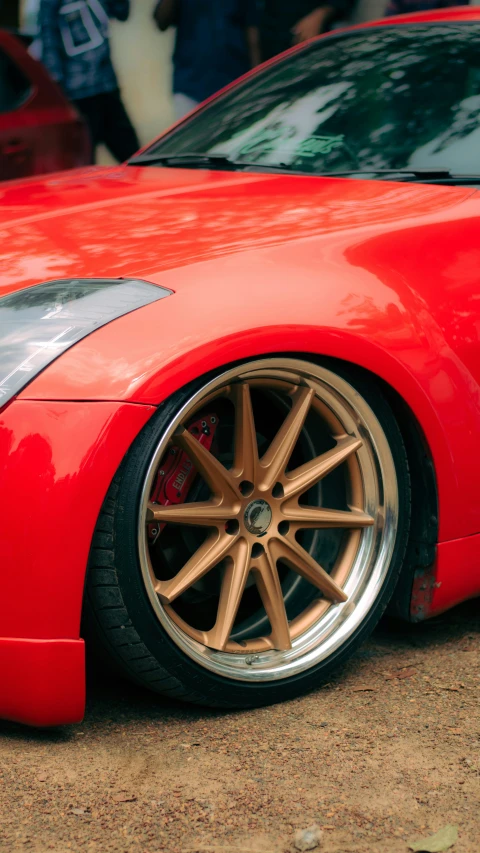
(385, 98)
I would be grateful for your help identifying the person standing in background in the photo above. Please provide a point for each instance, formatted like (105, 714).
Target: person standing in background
(284, 23)
(216, 41)
(76, 51)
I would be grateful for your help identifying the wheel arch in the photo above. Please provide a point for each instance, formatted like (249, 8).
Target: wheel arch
(424, 527)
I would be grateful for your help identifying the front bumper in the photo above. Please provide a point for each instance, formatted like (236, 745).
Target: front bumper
(42, 681)
(57, 461)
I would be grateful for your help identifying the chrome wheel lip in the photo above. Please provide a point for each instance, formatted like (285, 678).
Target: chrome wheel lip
(372, 561)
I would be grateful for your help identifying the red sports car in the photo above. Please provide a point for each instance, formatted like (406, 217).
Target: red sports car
(240, 380)
(39, 130)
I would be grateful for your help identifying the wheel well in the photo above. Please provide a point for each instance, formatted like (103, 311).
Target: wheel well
(423, 535)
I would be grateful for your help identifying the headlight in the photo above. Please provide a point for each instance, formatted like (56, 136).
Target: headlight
(39, 323)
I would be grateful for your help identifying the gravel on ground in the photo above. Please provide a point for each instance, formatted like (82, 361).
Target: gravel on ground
(387, 752)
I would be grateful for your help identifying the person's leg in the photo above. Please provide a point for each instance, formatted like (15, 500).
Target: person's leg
(91, 111)
(118, 132)
(182, 105)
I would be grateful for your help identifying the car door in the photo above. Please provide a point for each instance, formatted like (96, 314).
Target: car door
(16, 148)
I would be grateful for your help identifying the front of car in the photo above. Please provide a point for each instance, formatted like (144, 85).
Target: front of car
(196, 350)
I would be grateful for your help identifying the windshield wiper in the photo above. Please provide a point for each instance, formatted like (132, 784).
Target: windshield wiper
(414, 173)
(424, 175)
(205, 161)
(189, 161)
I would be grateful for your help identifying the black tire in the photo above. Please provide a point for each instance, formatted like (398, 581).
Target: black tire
(120, 615)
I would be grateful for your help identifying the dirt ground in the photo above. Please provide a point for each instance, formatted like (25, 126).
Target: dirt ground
(388, 752)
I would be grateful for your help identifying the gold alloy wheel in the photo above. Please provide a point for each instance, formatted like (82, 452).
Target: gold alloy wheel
(260, 506)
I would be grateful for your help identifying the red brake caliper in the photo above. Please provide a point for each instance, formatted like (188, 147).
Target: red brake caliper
(177, 472)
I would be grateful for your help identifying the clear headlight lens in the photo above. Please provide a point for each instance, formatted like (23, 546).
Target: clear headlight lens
(39, 323)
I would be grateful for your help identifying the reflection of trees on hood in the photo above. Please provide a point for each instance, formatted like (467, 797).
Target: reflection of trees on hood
(388, 92)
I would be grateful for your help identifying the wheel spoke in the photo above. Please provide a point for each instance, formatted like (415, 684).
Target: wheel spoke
(270, 590)
(305, 476)
(245, 440)
(275, 460)
(214, 549)
(304, 517)
(233, 586)
(300, 561)
(201, 514)
(215, 474)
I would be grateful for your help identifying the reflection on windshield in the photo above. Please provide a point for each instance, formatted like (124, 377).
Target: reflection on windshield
(459, 145)
(288, 131)
(394, 97)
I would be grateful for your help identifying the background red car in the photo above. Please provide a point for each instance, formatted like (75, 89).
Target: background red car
(39, 130)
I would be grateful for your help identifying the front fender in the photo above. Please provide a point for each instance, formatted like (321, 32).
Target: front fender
(221, 312)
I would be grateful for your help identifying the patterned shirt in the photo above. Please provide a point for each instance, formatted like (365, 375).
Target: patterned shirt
(75, 44)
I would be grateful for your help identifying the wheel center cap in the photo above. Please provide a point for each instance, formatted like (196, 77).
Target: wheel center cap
(257, 517)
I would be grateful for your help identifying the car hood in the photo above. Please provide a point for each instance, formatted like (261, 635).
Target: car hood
(137, 221)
